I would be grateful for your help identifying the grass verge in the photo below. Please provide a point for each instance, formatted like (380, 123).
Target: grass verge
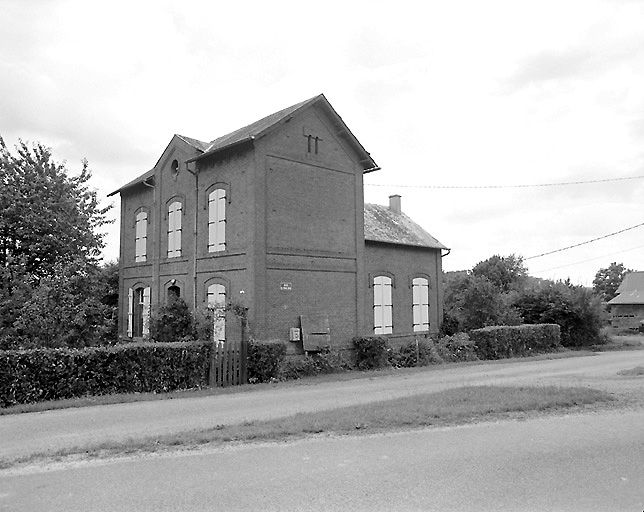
(453, 406)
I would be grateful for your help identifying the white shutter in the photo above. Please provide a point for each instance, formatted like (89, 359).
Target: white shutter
(146, 311)
(130, 310)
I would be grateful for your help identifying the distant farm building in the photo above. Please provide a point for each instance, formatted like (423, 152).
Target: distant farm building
(627, 308)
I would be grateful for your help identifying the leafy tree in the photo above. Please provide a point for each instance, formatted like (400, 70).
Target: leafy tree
(506, 272)
(608, 279)
(474, 301)
(46, 214)
(574, 308)
(63, 310)
(49, 251)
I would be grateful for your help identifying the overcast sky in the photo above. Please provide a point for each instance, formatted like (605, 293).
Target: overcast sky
(449, 93)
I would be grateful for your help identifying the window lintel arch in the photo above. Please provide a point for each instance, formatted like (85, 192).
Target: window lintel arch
(141, 209)
(177, 198)
(216, 186)
(420, 275)
(225, 282)
(385, 273)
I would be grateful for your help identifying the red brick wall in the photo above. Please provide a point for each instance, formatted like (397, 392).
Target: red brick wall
(403, 263)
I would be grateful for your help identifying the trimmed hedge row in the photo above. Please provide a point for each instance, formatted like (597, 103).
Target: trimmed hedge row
(498, 342)
(49, 374)
(264, 360)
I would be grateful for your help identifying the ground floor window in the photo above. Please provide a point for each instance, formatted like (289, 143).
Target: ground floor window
(420, 304)
(382, 305)
(217, 301)
(138, 318)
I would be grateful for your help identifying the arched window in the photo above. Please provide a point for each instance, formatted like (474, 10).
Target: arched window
(141, 236)
(217, 301)
(217, 220)
(420, 304)
(175, 211)
(382, 305)
(138, 318)
(174, 292)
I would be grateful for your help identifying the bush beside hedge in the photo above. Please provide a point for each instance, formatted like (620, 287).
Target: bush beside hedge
(498, 342)
(264, 360)
(319, 363)
(371, 352)
(49, 374)
(447, 349)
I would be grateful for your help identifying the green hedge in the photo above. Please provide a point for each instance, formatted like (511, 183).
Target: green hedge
(498, 342)
(50, 374)
(264, 360)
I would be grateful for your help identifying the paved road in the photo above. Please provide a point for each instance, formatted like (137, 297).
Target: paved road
(42, 432)
(576, 462)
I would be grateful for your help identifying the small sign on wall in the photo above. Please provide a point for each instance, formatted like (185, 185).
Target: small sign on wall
(286, 286)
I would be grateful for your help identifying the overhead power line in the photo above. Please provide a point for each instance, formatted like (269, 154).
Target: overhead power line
(586, 242)
(532, 185)
(586, 261)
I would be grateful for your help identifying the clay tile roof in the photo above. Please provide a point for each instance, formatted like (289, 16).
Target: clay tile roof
(631, 291)
(381, 224)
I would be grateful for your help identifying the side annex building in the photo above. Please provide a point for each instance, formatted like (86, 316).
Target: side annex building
(272, 216)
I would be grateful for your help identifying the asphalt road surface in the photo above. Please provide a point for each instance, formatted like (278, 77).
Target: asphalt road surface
(25, 434)
(581, 462)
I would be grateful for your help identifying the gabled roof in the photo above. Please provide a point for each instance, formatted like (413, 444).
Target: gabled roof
(258, 128)
(197, 144)
(264, 125)
(248, 133)
(382, 224)
(631, 291)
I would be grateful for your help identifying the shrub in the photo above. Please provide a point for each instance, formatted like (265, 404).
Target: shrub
(171, 322)
(323, 362)
(371, 352)
(411, 354)
(498, 342)
(458, 347)
(264, 360)
(49, 374)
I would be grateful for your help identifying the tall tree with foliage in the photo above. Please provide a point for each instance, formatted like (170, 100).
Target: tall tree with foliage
(47, 215)
(506, 272)
(608, 279)
(50, 247)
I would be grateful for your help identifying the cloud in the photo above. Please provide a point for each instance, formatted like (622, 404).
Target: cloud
(588, 60)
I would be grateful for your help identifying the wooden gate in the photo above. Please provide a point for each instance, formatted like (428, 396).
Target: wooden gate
(228, 359)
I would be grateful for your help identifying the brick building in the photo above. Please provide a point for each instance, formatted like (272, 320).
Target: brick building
(272, 216)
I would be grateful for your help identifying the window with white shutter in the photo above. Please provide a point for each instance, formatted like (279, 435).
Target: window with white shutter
(175, 211)
(420, 304)
(382, 305)
(141, 237)
(217, 301)
(217, 220)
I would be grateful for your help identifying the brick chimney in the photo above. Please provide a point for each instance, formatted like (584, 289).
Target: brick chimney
(394, 203)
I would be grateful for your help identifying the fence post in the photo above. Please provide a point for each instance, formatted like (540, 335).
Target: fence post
(243, 352)
(211, 377)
